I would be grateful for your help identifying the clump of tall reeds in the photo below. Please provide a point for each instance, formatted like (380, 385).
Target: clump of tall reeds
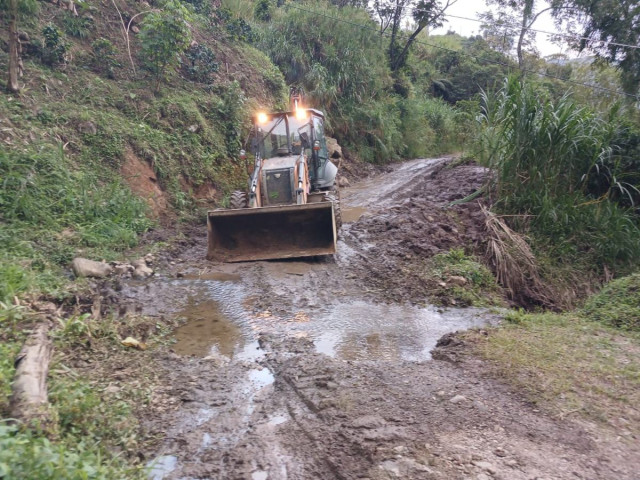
(546, 157)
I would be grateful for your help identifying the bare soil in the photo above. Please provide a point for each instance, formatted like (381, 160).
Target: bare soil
(321, 369)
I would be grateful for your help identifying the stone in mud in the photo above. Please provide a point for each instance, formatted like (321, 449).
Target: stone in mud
(486, 466)
(343, 182)
(333, 148)
(458, 399)
(83, 267)
(122, 268)
(369, 421)
(141, 271)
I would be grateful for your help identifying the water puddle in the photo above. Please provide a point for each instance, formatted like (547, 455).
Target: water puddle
(213, 276)
(161, 467)
(277, 420)
(217, 322)
(353, 214)
(259, 379)
(368, 331)
(207, 330)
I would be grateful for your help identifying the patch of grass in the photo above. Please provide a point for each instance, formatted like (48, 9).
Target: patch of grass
(463, 279)
(10, 343)
(24, 454)
(617, 304)
(52, 211)
(93, 432)
(568, 364)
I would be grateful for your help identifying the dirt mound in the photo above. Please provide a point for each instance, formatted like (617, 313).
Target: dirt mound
(400, 239)
(143, 182)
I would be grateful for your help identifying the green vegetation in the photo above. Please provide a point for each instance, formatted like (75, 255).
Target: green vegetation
(617, 304)
(164, 36)
(568, 364)
(560, 170)
(342, 71)
(91, 432)
(50, 210)
(463, 279)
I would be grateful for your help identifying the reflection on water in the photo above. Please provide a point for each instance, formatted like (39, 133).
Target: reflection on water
(161, 467)
(366, 331)
(218, 322)
(215, 276)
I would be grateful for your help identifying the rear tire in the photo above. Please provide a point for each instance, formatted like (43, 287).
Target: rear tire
(239, 199)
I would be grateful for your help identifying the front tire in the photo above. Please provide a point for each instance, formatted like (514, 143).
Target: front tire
(239, 199)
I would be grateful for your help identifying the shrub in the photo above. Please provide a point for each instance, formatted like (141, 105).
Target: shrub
(617, 304)
(264, 10)
(77, 26)
(54, 48)
(200, 63)
(103, 57)
(164, 36)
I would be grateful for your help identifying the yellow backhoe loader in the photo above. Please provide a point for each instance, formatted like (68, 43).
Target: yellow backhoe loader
(291, 208)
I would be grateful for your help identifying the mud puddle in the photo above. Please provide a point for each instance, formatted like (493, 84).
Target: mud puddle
(367, 331)
(207, 329)
(353, 214)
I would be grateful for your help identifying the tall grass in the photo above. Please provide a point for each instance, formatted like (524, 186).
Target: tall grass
(547, 156)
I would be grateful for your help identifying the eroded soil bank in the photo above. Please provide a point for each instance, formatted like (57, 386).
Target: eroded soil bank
(328, 368)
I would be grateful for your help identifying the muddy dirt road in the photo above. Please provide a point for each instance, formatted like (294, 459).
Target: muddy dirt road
(323, 369)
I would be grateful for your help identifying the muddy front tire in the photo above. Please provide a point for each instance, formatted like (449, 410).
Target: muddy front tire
(239, 199)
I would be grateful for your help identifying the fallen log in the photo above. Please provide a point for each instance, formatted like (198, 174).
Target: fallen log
(29, 396)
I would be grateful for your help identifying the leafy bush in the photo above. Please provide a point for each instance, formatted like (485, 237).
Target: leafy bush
(103, 57)
(164, 36)
(54, 48)
(201, 63)
(264, 10)
(617, 304)
(239, 29)
(77, 26)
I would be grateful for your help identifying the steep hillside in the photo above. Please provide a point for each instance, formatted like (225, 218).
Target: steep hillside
(94, 130)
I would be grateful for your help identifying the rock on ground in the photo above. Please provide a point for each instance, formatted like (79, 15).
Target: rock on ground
(83, 267)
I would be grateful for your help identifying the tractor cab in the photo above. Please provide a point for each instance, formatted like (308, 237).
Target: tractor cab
(298, 133)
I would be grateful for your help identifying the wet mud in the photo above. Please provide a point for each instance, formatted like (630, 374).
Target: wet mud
(330, 368)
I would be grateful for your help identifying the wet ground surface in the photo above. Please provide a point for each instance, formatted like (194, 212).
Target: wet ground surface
(323, 369)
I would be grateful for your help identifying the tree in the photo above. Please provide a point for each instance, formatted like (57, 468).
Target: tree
(501, 29)
(611, 29)
(391, 14)
(527, 14)
(15, 9)
(165, 35)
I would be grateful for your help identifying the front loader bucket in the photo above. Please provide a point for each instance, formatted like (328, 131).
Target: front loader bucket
(266, 233)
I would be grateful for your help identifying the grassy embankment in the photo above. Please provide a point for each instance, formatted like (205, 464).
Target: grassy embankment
(583, 364)
(566, 177)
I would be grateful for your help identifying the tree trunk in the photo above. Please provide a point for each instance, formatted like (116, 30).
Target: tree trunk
(29, 397)
(14, 61)
(523, 31)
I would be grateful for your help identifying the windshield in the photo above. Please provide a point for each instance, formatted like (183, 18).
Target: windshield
(284, 135)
